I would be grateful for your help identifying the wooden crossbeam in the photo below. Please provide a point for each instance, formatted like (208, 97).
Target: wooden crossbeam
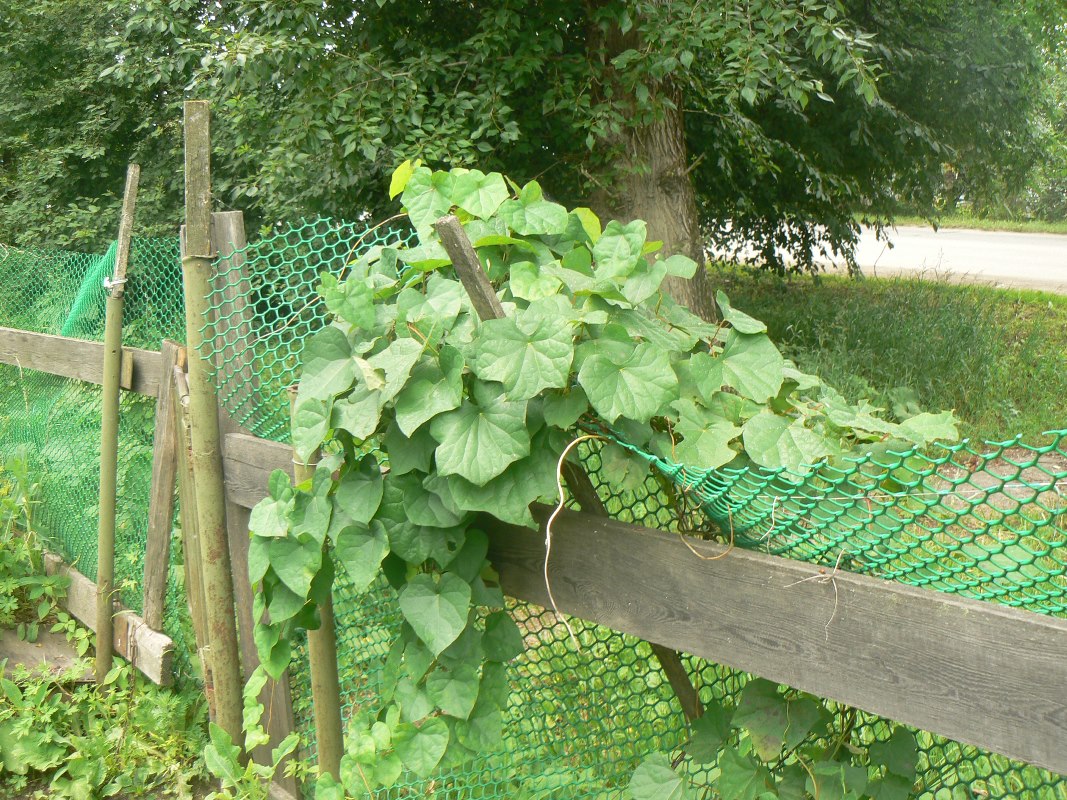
(78, 359)
(149, 651)
(974, 671)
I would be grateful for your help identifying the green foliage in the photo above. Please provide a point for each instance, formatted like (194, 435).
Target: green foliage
(795, 115)
(490, 406)
(27, 596)
(64, 739)
(1002, 150)
(788, 746)
(995, 356)
(68, 135)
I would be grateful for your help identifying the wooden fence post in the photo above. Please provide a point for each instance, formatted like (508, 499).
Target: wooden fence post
(109, 432)
(203, 414)
(191, 555)
(161, 499)
(227, 240)
(487, 305)
(322, 655)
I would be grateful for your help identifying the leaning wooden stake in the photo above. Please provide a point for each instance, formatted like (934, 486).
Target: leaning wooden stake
(109, 431)
(191, 554)
(203, 416)
(161, 495)
(488, 306)
(322, 658)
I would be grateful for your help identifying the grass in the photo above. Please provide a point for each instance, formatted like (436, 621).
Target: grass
(983, 224)
(998, 357)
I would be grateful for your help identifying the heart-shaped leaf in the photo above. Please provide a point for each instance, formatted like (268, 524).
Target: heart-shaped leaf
(361, 551)
(328, 364)
(454, 691)
(479, 441)
(296, 563)
(436, 609)
(421, 747)
(655, 779)
(637, 386)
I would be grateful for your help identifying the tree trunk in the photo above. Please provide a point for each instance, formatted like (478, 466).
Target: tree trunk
(651, 181)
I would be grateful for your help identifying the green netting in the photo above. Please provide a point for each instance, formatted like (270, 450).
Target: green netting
(54, 422)
(264, 304)
(985, 522)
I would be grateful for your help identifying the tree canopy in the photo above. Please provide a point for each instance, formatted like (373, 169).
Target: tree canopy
(765, 125)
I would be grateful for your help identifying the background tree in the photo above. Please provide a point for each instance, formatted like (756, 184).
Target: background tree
(761, 126)
(66, 134)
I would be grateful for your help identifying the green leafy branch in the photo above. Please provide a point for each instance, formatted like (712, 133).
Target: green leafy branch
(427, 416)
(779, 746)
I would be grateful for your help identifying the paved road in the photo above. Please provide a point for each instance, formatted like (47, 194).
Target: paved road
(1026, 260)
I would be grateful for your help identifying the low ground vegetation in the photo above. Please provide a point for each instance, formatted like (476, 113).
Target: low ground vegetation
(61, 737)
(971, 222)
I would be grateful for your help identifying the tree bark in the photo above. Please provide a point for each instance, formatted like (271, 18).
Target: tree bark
(651, 180)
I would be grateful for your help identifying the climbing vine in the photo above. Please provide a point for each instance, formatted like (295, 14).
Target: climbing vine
(427, 416)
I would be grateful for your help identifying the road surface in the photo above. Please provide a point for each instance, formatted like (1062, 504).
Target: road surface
(1023, 260)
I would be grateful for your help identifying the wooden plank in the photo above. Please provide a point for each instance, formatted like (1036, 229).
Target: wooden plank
(197, 267)
(469, 268)
(978, 672)
(148, 650)
(191, 556)
(49, 657)
(892, 649)
(109, 426)
(235, 364)
(227, 239)
(249, 463)
(161, 497)
(78, 359)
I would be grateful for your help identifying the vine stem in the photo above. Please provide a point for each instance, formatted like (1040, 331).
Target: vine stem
(548, 529)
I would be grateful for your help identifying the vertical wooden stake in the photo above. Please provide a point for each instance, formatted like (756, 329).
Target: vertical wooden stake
(191, 558)
(322, 655)
(109, 432)
(487, 305)
(237, 381)
(161, 498)
(203, 417)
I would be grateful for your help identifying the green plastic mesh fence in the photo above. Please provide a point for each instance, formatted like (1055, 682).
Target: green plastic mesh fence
(987, 523)
(263, 306)
(982, 522)
(54, 422)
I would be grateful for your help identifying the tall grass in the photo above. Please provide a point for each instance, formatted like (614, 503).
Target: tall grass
(998, 357)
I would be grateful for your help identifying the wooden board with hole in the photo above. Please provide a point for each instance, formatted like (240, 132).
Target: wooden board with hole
(148, 650)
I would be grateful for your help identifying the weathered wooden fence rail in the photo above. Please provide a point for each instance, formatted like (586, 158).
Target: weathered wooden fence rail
(79, 359)
(974, 671)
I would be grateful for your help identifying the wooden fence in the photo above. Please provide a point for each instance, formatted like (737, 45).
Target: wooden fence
(978, 672)
(974, 671)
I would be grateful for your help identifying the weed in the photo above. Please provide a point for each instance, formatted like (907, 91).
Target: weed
(60, 739)
(983, 224)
